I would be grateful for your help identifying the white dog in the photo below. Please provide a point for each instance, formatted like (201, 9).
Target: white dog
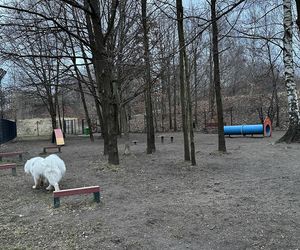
(52, 169)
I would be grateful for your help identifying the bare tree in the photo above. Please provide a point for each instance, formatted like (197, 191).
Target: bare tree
(298, 13)
(148, 99)
(217, 80)
(293, 132)
(183, 90)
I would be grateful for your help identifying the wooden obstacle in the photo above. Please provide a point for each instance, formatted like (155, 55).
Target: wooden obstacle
(162, 137)
(51, 147)
(9, 154)
(59, 137)
(75, 191)
(11, 166)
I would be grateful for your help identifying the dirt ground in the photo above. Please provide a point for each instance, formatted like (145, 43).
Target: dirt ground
(246, 199)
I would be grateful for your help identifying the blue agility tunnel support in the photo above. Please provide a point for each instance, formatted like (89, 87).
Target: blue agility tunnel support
(264, 129)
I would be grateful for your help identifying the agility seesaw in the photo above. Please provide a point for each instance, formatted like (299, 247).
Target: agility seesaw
(264, 129)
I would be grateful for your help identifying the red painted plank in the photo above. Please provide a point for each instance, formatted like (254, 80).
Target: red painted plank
(11, 153)
(7, 165)
(74, 191)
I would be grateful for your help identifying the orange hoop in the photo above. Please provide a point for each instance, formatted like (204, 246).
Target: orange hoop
(267, 127)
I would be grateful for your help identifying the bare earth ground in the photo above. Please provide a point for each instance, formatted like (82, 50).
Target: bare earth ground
(247, 199)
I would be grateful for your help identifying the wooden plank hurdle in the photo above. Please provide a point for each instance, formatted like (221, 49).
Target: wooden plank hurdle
(8, 154)
(51, 147)
(13, 167)
(75, 191)
(162, 137)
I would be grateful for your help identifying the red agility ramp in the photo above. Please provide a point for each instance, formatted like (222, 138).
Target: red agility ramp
(59, 137)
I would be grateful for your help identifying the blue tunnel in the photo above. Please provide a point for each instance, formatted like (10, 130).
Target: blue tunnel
(264, 129)
(244, 129)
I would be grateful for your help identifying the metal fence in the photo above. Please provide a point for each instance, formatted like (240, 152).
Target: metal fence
(8, 130)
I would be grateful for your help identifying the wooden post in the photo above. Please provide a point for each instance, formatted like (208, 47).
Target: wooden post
(97, 197)
(56, 202)
(14, 171)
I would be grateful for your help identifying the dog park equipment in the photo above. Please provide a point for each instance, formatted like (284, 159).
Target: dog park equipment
(162, 137)
(264, 129)
(75, 191)
(59, 137)
(9, 154)
(51, 147)
(11, 166)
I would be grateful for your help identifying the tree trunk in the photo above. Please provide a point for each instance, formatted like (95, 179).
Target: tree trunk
(96, 90)
(149, 109)
(59, 117)
(53, 122)
(52, 111)
(298, 14)
(274, 98)
(175, 107)
(97, 103)
(163, 101)
(169, 95)
(125, 121)
(211, 91)
(174, 71)
(217, 80)
(174, 95)
(103, 73)
(196, 89)
(179, 9)
(189, 108)
(293, 132)
(87, 116)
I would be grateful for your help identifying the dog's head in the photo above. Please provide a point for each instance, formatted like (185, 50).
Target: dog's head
(30, 164)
